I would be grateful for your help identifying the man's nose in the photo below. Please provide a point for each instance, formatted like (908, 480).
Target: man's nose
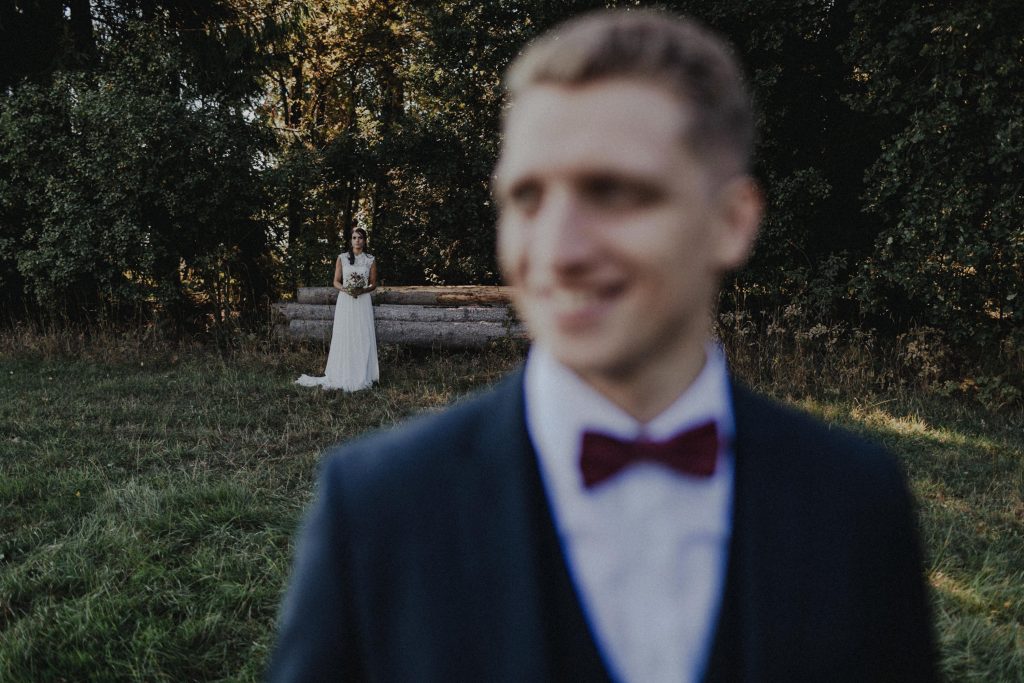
(563, 236)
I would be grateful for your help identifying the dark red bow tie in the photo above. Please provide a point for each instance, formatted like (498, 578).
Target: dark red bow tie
(692, 452)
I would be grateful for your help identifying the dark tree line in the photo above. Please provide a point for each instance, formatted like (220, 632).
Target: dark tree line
(130, 163)
(195, 159)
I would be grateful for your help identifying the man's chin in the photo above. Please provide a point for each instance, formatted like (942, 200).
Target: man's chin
(587, 358)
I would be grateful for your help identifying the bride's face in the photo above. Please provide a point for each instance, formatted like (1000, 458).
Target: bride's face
(358, 242)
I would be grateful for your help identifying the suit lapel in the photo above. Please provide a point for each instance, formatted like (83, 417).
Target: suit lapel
(737, 652)
(532, 545)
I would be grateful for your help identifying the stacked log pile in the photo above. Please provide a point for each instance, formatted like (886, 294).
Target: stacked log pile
(461, 317)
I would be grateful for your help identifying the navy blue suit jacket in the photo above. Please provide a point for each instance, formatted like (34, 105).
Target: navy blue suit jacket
(430, 555)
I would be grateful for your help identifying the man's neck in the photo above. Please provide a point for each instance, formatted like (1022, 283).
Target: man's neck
(646, 390)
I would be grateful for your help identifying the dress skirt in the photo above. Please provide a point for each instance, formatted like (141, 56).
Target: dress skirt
(352, 360)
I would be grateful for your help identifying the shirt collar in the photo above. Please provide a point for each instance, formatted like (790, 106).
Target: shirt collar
(563, 402)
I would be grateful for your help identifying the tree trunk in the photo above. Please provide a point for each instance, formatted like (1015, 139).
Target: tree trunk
(255, 281)
(82, 36)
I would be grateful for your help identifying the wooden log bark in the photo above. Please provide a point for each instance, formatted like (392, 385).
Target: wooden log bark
(463, 295)
(316, 295)
(285, 312)
(457, 334)
(447, 334)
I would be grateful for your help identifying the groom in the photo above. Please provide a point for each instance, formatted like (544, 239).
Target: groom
(620, 509)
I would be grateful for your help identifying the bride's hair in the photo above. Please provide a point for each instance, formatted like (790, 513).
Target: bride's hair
(351, 254)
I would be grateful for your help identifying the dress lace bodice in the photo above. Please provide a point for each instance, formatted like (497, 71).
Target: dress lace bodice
(361, 266)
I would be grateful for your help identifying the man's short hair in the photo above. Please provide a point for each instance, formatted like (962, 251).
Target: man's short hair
(667, 50)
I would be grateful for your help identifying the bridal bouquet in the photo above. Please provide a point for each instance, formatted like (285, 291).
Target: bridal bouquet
(354, 284)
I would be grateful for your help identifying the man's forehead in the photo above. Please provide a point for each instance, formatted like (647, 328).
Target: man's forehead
(609, 125)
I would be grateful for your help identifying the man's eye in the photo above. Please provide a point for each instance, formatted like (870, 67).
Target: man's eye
(616, 194)
(524, 198)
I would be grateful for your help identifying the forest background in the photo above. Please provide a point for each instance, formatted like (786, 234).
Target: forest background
(182, 164)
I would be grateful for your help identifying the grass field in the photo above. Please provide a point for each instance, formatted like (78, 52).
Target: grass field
(148, 498)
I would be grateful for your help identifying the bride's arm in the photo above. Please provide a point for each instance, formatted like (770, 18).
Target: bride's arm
(337, 275)
(373, 278)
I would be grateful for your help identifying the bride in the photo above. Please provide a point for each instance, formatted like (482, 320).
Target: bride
(352, 360)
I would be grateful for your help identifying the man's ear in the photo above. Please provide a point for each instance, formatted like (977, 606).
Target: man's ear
(740, 206)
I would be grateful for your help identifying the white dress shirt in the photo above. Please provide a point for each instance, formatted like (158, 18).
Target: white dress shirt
(647, 549)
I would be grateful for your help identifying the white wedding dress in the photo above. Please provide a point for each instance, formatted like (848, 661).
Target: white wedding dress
(352, 360)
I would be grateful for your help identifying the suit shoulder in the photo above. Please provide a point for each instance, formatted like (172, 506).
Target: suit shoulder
(823, 479)
(806, 441)
(425, 444)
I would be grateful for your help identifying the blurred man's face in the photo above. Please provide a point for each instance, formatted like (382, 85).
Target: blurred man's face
(611, 232)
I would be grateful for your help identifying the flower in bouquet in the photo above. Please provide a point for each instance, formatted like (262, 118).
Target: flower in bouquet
(354, 284)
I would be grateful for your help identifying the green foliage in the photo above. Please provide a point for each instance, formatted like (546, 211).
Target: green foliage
(130, 188)
(127, 188)
(947, 185)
